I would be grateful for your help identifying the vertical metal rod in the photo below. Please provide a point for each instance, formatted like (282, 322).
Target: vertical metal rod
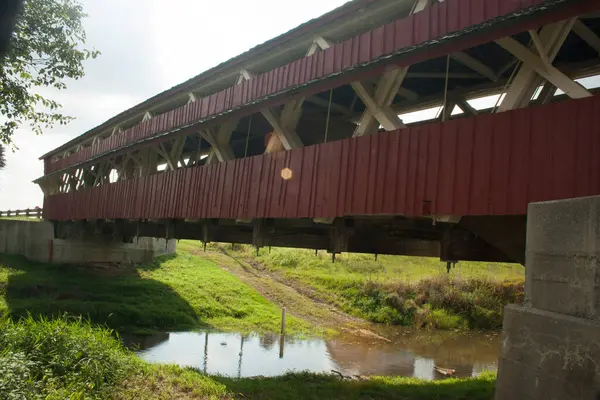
(248, 136)
(446, 88)
(328, 115)
(508, 82)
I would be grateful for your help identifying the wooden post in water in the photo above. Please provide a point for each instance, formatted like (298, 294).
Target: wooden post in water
(282, 336)
(281, 345)
(283, 321)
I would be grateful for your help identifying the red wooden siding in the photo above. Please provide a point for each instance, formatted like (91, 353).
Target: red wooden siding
(432, 23)
(486, 165)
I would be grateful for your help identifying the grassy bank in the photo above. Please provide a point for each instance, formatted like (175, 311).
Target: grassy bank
(413, 291)
(59, 359)
(173, 293)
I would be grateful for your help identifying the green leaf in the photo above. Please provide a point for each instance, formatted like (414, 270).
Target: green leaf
(45, 50)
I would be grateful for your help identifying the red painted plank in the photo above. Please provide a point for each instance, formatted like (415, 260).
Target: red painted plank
(464, 154)
(433, 166)
(520, 162)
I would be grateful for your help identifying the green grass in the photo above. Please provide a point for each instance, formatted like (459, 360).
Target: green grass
(21, 218)
(174, 293)
(414, 291)
(62, 359)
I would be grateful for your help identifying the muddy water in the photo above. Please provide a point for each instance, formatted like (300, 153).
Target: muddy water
(408, 353)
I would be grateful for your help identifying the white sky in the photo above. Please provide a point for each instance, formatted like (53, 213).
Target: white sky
(147, 46)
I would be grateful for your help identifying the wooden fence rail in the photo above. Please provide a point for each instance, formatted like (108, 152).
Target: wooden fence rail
(29, 212)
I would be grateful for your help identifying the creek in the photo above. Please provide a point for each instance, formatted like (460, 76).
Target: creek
(411, 353)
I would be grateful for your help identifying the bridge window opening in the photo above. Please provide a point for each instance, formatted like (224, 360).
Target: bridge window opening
(113, 176)
(457, 111)
(421, 115)
(590, 82)
(537, 93)
(486, 102)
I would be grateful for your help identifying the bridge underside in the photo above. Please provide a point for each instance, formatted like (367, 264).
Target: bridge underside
(500, 239)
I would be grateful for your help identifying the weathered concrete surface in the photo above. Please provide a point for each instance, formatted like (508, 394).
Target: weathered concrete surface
(548, 356)
(563, 249)
(35, 240)
(551, 346)
(31, 239)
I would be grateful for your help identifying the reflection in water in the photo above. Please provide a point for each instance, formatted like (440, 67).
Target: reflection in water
(409, 353)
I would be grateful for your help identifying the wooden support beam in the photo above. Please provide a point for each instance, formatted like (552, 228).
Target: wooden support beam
(420, 5)
(177, 148)
(466, 107)
(475, 65)
(218, 138)
(164, 154)
(325, 104)
(289, 138)
(541, 48)
(323, 43)
(378, 103)
(442, 75)
(408, 94)
(547, 93)
(527, 80)
(116, 130)
(446, 111)
(149, 161)
(587, 35)
(284, 125)
(244, 76)
(550, 73)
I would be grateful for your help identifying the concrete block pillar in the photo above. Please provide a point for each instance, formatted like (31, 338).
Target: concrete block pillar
(551, 345)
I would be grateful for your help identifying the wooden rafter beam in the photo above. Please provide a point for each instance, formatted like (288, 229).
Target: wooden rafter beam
(548, 72)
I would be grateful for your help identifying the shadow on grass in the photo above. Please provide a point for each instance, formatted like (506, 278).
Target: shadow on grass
(117, 297)
(319, 386)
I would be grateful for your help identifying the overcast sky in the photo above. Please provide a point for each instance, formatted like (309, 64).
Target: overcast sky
(147, 46)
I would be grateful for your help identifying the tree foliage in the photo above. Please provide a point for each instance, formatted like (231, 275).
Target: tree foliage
(2, 159)
(46, 49)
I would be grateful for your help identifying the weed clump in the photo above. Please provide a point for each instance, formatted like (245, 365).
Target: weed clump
(58, 359)
(440, 302)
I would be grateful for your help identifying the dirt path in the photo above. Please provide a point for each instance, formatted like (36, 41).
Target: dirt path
(300, 301)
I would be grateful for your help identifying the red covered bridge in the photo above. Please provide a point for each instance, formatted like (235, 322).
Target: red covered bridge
(388, 127)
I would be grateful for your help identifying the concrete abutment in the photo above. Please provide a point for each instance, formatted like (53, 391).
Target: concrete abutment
(551, 344)
(36, 241)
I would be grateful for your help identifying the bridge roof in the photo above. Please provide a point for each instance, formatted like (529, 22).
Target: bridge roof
(351, 18)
